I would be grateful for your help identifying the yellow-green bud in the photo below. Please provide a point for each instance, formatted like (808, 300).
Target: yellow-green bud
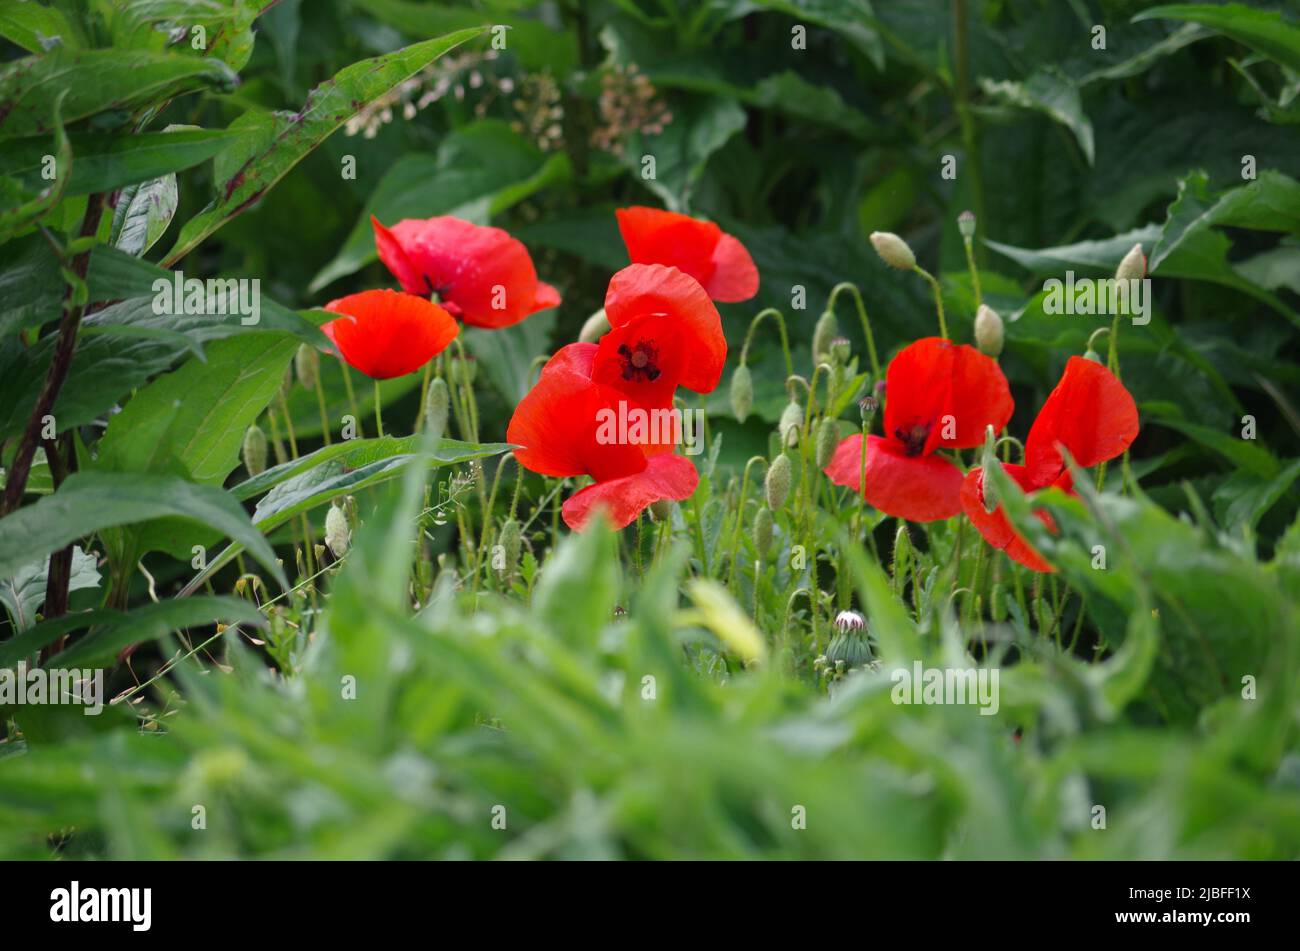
(763, 524)
(828, 437)
(306, 364)
(338, 537)
(789, 424)
(893, 250)
(742, 392)
(437, 403)
(254, 450)
(597, 326)
(824, 333)
(1133, 267)
(776, 486)
(988, 331)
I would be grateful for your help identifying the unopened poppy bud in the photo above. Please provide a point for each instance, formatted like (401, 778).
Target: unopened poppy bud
(966, 224)
(509, 542)
(597, 326)
(306, 364)
(893, 250)
(437, 403)
(988, 331)
(823, 333)
(828, 437)
(661, 510)
(763, 524)
(840, 351)
(776, 486)
(742, 392)
(1133, 267)
(254, 450)
(1092, 355)
(788, 425)
(462, 370)
(338, 537)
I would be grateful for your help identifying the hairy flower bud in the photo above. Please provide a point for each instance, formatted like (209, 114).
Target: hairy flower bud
(828, 437)
(776, 485)
(966, 224)
(742, 392)
(437, 403)
(788, 425)
(988, 331)
(338, 537)
(1133, 267)
(893, 250)
(597, 326)
(840, 351)
(306, 364)
(254, 450)
(763, 525)
(849, 646)
(509, 541)
(824, 333)
(462, 370)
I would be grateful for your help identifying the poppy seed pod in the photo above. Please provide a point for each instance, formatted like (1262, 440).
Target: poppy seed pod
(788, 425)
(1133, 267)
(306, 364)
(966, 224)
(597, 326)
(828, 435)
(437, 402)
(742, 392)
(254, 450)
(338, 537)
(893, 250)
(763, 525)
(776, 485)
(824, 333)
(867, 407)
(988, 331)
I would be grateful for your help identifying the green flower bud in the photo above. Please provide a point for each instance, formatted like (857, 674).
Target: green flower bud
(437, 403)
(338, 537)
(893, 250)
(254, 450)
(828, 437)
(462, 370)
(597, 326)
(789, 424)
(988, 331)
(824, 332)
(742, 392)
(509, 541)
(776, 485)
(849, 646)
(1092, 355)
(966, 224)
(841, 349)
(1133, 267)
(306, 364)
(661, 510)
(763, 525)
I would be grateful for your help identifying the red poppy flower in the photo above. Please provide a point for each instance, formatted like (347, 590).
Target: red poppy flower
(480, 274)
(941, 395)
(1092, 415)
(387, 333)
(558, 424)
(700, 248)
(664, 333)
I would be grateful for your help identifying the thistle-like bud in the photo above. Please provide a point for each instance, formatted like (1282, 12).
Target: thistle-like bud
(893, 250)
(254, 450)
(338, 537)
(847, 621)
(788, 425)
(661, 510)
(597, 326)
(1133, 267)
(966, 224)
(988, 331)
(437, 403)
(849, 646)
(306, 364)
(742, 392)
(509, 542)
(828, 437)
(824, 333)
(763, 526)
(776, 485)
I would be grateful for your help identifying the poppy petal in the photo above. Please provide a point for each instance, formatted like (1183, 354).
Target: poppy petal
(735, 276)
(386, 333)
(394, 258)
(1089, 412)
(681, 317)
(995, 526)
(942, 394)
(664, 477)
(916, 488)
(698, 248)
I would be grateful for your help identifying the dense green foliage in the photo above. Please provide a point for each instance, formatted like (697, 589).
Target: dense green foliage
(671, 690)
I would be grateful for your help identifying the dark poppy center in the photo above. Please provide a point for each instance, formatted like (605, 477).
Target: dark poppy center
(913, 438)
(640, 362)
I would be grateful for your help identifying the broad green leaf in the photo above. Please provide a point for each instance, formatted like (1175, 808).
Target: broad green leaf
(36, 28)
(254, 167)
(105, 162)
(1091, 257)
(1264, 30)
(106, 640)
(143, 213)
(478, 172)
(218, 29)
(16, 219)
(853, 19)
(23, 592)
(1051, 93)
(89, 502)
(578, 589)
(682, 150)
(1246, 496)
(1240, 452)
(95, 81)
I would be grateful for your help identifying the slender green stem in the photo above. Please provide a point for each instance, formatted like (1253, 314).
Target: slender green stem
(379, 418)
(785, 340)
(938, 299)
(866, 323)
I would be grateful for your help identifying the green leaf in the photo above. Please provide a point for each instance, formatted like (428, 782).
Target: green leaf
(578, 589)
(16, 219)
(1051, 93)
(682, 150)
(478, 172)
(1264, 30)
(36, 28)
(1246, 496)
(280, 144)
(143, 213)
(89, 502)
(96, 81)
(1094, 257)
(105, 162)
(23, 592)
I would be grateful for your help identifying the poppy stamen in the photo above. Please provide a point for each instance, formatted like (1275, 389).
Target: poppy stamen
(640, 363)
(913, 438)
